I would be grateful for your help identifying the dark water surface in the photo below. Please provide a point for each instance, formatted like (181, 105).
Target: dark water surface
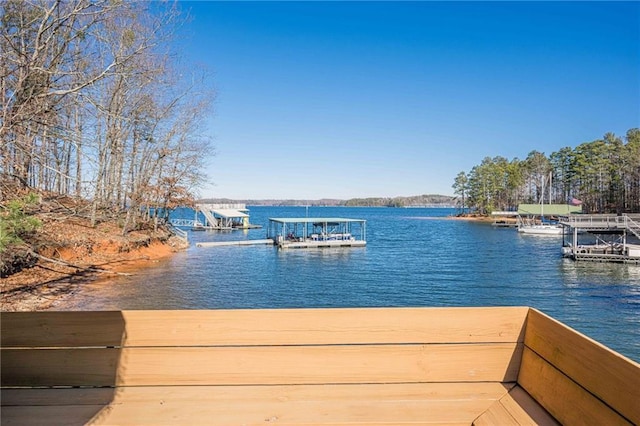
(414, 257)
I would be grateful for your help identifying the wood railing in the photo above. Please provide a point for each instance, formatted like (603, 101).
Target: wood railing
(310, 366)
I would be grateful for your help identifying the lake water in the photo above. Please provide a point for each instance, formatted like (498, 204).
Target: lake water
(414, 257)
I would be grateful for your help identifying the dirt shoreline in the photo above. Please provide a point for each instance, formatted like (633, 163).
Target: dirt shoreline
(49, 284)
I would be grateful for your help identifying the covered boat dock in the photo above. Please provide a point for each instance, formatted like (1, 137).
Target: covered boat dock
(602, 237)
(223, 216)
(314, 232)
(220, 217)
(531, 215)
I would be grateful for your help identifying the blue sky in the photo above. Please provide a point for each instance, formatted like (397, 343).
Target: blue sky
(362, 99)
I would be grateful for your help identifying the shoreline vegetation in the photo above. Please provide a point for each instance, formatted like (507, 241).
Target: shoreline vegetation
(603, 176)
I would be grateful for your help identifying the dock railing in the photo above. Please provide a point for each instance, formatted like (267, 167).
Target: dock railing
(633, 226)
(180, 233)
(224, 206)
(183, 222)
(602, 221)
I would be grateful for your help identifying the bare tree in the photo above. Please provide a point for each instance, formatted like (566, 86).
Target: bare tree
(93, 105)
(40, 44)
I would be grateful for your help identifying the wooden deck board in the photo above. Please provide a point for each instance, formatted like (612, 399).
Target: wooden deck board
(516, 408)
(372, 391)
(434, 403)
(263, 327)
(525, 409)
(261, 365)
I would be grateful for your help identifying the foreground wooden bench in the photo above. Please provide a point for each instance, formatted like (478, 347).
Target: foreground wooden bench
(310, 366)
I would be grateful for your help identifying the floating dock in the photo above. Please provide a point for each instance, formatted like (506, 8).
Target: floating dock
(236, 243)
(505, 219)
(617, 238)
(310, 232)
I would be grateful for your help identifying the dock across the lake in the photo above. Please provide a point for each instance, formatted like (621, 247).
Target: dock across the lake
(219, 217)
(617, 238)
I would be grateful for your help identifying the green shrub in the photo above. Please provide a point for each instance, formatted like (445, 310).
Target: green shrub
(15, 223)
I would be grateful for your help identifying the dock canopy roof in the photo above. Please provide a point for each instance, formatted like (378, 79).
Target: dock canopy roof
(548, 209)
(313, 220)
(229, 213)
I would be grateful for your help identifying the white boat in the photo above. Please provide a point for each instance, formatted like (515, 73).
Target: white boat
(542, 228)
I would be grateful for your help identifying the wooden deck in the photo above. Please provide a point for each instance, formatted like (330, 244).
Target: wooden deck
(311, 366)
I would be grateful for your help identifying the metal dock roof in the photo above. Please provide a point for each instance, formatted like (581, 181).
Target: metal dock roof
(229, 213)
(313, 219)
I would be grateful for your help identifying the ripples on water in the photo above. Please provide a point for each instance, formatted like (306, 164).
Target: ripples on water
(414, 257)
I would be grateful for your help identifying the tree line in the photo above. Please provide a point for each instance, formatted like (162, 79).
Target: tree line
(95, 105)
(409, 201)
(602, 175)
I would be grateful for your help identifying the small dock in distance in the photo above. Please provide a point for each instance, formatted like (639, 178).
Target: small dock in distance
(267, 241)
(504, 219)
(218, 217)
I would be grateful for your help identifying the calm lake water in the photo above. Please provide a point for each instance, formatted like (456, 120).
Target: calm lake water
(414, 257)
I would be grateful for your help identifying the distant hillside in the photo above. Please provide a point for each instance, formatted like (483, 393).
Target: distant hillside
(431, 200)
(273, 202)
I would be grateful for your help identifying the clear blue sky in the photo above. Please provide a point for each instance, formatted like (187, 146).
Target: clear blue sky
(362, 99)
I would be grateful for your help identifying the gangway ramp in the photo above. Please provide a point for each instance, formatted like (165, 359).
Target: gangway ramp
(210, 219)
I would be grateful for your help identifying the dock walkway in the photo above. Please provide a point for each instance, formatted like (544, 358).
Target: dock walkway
(267, 241)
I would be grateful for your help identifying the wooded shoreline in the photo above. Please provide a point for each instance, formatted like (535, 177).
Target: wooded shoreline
(603, 176)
